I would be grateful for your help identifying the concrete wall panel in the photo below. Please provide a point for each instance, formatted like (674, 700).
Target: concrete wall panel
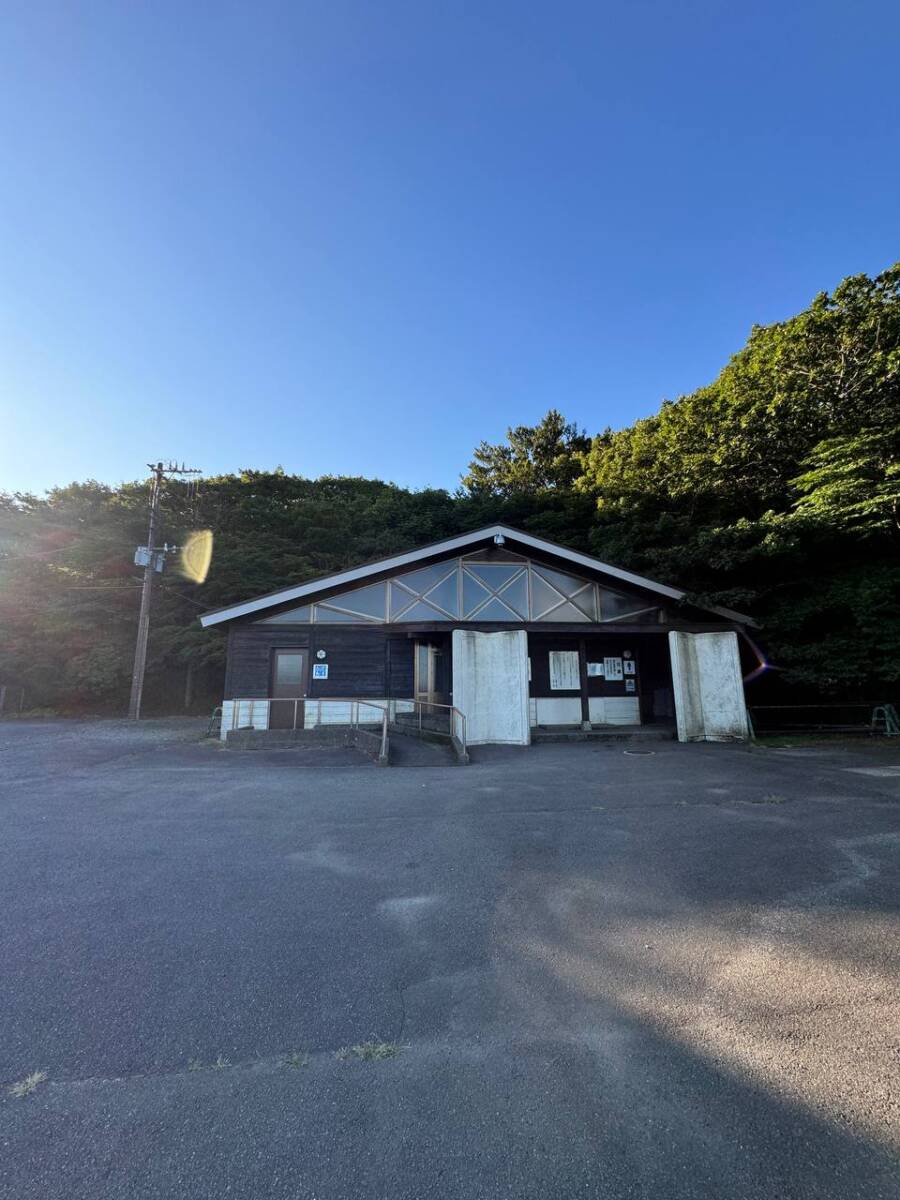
(615, 710)
(709, 690)
(558, 710)
(490, 685)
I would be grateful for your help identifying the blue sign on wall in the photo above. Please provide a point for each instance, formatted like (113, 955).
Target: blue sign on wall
(320, 670)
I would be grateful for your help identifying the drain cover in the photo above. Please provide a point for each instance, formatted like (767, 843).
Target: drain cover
(638, 751)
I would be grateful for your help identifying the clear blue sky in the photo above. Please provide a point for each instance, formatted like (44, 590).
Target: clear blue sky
(357, 237)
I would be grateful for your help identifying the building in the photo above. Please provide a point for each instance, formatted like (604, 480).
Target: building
(512, 630)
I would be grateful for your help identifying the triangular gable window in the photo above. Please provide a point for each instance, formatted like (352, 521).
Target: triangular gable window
(367, 602)
(293, 616)
(420, 581)
(463, 589)
(335, 616)
(493, 574)
(566, 612)
(495, 610)
(421, 610)
(474, 594)
(543, 596)
(446, 595)
(515, 594)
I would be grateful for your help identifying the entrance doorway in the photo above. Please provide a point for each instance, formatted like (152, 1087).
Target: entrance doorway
(288, 689)
(431, 674)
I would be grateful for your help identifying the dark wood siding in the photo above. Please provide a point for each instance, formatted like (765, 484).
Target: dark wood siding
(378, 662)
(598, 648)
(356, 661)
(400, 667)
(250, 658)
(361, 661)
(539, 652)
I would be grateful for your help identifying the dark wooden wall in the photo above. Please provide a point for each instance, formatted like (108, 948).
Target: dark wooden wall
(250, 647)
(598, 646)
(377, 662)
(653, 669)
(539, 647)
(361, 661)
(400, 667)
(357, 662)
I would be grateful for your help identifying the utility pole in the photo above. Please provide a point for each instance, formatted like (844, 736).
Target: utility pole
(153, 561)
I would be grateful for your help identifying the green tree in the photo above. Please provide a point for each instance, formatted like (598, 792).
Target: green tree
(733, 448)
(853, 481)
(69, 588)
(754, 491)
(533, 459)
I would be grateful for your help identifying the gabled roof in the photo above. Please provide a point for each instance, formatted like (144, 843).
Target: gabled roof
(463, 542)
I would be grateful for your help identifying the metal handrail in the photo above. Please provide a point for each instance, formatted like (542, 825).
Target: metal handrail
(457, 718)
(882, 718)
(386, 714)
(299, 716)
(298, 723)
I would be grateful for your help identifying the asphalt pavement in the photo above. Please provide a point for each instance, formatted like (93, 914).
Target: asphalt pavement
(568, 971)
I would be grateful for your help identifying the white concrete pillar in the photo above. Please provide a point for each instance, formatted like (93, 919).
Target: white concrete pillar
(708, 687)
(490, 685)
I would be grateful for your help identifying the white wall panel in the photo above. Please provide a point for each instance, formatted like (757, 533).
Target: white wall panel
(558, 710)
(490, 685)
(343, 712)
(615, 710)
(251, 714)
(709, 690)
(254, 714)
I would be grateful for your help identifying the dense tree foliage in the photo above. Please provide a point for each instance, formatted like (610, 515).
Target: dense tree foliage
(534, 459)
(775, 489)
(69, 589)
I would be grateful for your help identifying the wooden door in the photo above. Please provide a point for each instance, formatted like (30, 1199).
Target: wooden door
(289, 668)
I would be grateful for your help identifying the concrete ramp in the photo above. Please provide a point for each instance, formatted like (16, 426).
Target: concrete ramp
(410, 751)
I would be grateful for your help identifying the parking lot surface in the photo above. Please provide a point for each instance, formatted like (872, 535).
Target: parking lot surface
(567, 970)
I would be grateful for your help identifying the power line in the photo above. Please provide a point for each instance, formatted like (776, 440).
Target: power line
(41, 555)
(182, 596)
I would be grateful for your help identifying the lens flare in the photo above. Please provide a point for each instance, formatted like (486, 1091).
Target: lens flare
(763, 663)
(196, 555)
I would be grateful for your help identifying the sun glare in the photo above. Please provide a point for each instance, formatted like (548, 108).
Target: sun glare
(196, 555)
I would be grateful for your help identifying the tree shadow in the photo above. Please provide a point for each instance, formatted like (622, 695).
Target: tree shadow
(712, 1056)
